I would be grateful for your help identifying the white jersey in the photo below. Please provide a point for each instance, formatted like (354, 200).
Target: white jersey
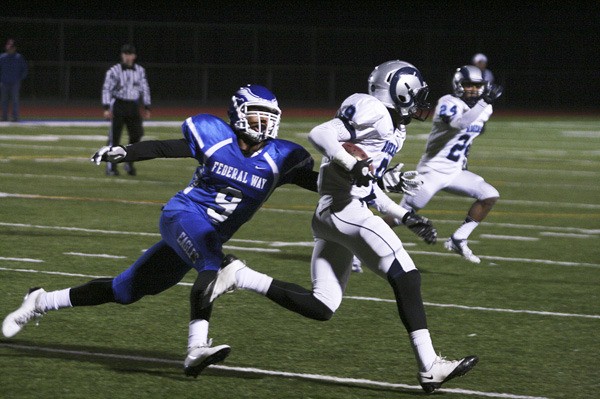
(451, 136)
(370, 126)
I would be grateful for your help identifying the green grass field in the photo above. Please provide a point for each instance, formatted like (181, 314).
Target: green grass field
(530, 310)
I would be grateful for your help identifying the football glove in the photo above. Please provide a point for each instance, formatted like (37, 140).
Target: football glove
(421, 226)
(396, 181)
(492, 93)
(361, 172)
(109, 154)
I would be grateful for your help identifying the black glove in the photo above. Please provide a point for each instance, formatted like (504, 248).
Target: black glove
(492, 93)
(361, 171)
(421, 226)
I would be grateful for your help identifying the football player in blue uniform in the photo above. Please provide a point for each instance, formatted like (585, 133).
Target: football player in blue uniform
(241, 163)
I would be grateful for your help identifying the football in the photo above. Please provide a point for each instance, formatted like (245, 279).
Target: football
(355, 151)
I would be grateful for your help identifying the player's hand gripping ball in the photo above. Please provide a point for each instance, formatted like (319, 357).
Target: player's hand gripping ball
(362, 172)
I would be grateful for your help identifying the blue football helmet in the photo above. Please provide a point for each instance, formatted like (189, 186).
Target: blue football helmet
(254, 113)
(472, 76)
(400, 86)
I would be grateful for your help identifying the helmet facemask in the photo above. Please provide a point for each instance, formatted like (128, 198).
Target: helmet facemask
(254, 113)
(399, 86)
(257, 122)
(468, 84)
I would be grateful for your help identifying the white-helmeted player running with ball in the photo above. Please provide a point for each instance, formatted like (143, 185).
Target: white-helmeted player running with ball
(344, 225)
(459, 118)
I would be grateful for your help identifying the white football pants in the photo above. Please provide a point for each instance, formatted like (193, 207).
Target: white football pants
(463, 183)
(339, 235)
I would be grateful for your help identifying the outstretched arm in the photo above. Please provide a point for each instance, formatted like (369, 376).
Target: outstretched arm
(143, 150)
(306, 179)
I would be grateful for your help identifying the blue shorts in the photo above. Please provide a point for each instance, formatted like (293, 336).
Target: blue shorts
(189, 241)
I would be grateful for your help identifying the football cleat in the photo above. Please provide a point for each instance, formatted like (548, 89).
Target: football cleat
(461, 248)
(225, 280)
(356, 265)
(444, 370)
(29, 310)
(201, 356)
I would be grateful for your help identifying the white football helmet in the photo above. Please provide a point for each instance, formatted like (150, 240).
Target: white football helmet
(468, 74)
(254, 113)
(400, 86)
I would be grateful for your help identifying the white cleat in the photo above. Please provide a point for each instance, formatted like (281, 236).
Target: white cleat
(444, 370)
(29, 310)
(461, 248)
(225, 281)
(202, 356)
(356, 265)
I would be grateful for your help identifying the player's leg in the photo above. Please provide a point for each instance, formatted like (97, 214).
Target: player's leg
(382, 251)
(16, 92)
(135, 131)
(308, 303)
(194, 238)
(155, 271)
(114, 134)
(330, 268)
(471, 185)
(4, 97)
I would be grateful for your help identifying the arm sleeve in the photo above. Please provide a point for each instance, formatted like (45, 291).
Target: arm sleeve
(306, 179)
(151, 149)
(469, 117)
(326, 138)
(107, 89)
(146, 90)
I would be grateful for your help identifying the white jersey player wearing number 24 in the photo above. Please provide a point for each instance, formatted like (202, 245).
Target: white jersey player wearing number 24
(459, 118)
(343, 224)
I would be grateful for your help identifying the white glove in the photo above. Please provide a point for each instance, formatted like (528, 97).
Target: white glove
(396, 181)
(109, 154)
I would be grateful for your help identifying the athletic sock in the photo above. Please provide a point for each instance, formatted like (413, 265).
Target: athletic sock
(423, 348)
(465, 230)
(248, 279)
(55, 300)
(198, 333)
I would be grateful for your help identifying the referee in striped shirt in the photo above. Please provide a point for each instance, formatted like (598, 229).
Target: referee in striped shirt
(124, 85)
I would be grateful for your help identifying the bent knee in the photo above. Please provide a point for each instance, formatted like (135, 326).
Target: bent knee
(490, 201)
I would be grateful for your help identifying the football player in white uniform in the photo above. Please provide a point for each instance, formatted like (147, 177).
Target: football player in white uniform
(459, 118)
(344, 225)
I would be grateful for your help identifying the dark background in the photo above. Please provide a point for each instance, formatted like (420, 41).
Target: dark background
(310, 53)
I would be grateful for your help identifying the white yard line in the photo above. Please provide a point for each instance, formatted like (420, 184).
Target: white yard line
(496, 258)
(107, 256)
(29, 260)
(509, 259)
(565, 235)
(501, 310)
(231, 247)
(273, 373)
(102, 180)
(510, 238)
(359, 298)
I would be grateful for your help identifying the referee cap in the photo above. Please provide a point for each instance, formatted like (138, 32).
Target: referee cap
(128, 49)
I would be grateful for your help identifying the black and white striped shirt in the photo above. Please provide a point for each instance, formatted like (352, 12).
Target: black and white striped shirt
(125, 83)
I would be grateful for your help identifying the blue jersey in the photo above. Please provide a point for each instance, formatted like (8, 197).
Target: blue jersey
(227, 186)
